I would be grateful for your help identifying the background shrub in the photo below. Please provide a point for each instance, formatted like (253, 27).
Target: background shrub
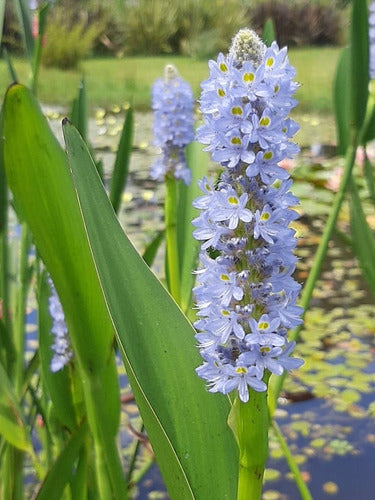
(300, 23)
(68, 39)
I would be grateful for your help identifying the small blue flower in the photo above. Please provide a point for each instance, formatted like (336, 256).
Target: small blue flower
(62, 351)
(246, 294)
(173, 105)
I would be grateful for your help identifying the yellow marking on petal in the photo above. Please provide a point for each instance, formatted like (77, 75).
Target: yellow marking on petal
(207, 187)
(236, 141)
(248, 77)
(265, 121)
(265, 349)
(223, 67)
(265, 216)
(270, 62)
(263, 326)
(276, 89)
(268, 155)
(237, 110)
(233, 200)
(221, 92)
(241, 369)
(224, 277)
(224, 312)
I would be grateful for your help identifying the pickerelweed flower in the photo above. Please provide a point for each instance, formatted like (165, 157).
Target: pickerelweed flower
(246, 294)
(173, 105)
(62, 351)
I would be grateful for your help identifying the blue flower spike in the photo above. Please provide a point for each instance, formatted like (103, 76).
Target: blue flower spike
(247, 259)
(173, 106)
(245, 293)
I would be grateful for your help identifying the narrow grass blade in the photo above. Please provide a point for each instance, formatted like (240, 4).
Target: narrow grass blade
(12, 427)
(2, 11)
(359, 62)
(61, 472)
(187, 426)
(269, 33)
(79, 115)
(152, 248)
(363, 238)
(23, 12)
(121, 166)
(188, 247)
(38, 45)
(11, 69)
(341, 101)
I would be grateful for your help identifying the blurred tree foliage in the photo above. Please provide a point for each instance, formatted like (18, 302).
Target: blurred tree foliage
(200, 28)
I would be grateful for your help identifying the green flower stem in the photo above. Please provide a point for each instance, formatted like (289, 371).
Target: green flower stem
(173, 269)
(301, 485)
(277, 382)
(249, 423)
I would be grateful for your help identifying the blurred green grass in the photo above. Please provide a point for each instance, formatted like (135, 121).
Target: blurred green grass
(118, 81)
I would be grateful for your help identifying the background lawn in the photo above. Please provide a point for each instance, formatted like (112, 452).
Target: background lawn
(117, 81)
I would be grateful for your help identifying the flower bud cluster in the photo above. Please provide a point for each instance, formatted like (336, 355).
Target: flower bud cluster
(173, 105)
(62, 351)
(246, 294)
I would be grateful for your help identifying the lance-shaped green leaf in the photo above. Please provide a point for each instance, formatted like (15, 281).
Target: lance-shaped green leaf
(363, 239)
(359, 62)
(38, 175)
(187, 426)
(12, 427)
(121, 166)
(188, 247)
(341, 101)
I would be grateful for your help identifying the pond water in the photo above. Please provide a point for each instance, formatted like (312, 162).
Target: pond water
(327, 411)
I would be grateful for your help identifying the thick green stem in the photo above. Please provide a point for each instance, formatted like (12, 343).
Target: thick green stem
(249, 423)
(277, 382)
(173, 269)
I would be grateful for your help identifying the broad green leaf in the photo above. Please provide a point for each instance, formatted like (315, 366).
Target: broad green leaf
(359, 62)
(121, 166)
(12, 427)
(187, 427)
(269, 33)
(59, 385)
(39, 177)
(363, 238)
(61, 473)
(341, 101)
(79, 116)
(188, 247)
(24, 17)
